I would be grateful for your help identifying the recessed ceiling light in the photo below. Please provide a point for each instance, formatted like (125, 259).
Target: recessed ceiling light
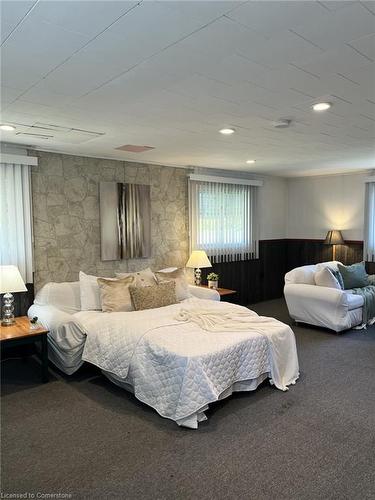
(7, 127)
(250, 161)
(321, 106)
(227, 131)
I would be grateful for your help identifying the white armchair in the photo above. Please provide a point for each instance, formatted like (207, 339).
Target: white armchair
(330, 308)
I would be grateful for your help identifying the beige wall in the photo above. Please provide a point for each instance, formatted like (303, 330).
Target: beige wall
(273, 198)
(66, 215)
(317, 204)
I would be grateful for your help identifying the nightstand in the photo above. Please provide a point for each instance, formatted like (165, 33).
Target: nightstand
(223, 292)
(20, 334)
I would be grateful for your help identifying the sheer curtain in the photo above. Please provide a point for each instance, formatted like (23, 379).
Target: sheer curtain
(369, 243)
(16, 219)
(223, 220)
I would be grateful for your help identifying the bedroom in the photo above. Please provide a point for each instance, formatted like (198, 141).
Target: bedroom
(209, 106)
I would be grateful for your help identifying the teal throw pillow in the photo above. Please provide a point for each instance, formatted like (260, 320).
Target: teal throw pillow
(354, 276)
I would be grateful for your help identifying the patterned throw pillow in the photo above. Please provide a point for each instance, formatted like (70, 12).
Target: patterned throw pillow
(179, 277)
(114, 294)
(354, 276)
(152, 297)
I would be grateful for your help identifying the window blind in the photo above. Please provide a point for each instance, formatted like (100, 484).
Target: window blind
(369, 243)
(16, 246)
(223, 220)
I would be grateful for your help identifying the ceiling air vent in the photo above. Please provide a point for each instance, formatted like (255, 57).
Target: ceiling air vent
(132, 148)
(68, 135)
(37, 136)
(282, 123)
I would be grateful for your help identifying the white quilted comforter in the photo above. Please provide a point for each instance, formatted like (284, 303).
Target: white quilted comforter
(178, 367)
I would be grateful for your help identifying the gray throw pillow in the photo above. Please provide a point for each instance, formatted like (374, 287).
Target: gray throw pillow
(354, 276)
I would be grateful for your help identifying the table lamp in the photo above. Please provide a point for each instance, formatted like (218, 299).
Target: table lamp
(10, 281)
(334, 237)
(197, 260)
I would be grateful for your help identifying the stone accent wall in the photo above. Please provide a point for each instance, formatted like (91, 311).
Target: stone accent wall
(66, 215)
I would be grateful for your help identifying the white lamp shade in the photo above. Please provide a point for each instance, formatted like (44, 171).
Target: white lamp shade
(198, 259)
(11, 280)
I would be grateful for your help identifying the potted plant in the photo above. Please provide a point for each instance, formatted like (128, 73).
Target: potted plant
(213, 280)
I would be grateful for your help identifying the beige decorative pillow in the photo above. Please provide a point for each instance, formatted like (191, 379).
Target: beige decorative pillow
(179, 277)
(142, 278)
(151, 297)
(114, 294)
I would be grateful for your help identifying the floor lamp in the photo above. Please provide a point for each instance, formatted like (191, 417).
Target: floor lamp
(334, 237)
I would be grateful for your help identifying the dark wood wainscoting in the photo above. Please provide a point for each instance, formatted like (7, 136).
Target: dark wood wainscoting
(255, 280)
(22, 300)
(303, 252)
(263, 279)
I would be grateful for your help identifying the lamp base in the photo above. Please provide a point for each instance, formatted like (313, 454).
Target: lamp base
(8, 308)
(197, 275)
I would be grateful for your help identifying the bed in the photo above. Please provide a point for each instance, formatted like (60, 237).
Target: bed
(168, 357)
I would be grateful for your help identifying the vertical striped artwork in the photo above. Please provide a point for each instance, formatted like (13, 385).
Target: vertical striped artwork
(125, 221)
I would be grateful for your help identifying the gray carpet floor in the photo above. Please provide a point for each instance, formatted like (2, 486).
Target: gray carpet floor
(83, 436)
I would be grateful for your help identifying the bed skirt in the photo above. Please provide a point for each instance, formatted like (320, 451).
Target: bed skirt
(192, 421)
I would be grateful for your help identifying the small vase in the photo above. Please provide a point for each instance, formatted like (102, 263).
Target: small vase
(213, 284)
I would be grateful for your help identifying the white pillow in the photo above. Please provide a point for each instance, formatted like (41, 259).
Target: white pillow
(324, 277)
(141, 278)
(89, 292)
(63, 296)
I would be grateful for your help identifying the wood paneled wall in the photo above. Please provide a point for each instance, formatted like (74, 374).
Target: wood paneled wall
(255, 280)
(263, 279)
(303, 252)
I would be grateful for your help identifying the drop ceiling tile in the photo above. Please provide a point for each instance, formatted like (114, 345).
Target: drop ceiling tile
(236, 68)
(269, 18)
(293, 77)
(15, 75)
(148, 18)
(344, 59)
(336, 4)
(283, 48)
(38, 47)
(202, 11)
(89, 72)
(370, 5)
(340, 27)
(365, 45)
(42, 94)
(85, 17)
(221, 39)
(8, 94)
(11, 14)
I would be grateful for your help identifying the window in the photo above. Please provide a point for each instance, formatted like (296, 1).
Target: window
(223, 219)
(369, 243)
(15, 218)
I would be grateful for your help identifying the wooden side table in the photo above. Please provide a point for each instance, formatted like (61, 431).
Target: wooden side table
(223, 292)
(20, 334)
